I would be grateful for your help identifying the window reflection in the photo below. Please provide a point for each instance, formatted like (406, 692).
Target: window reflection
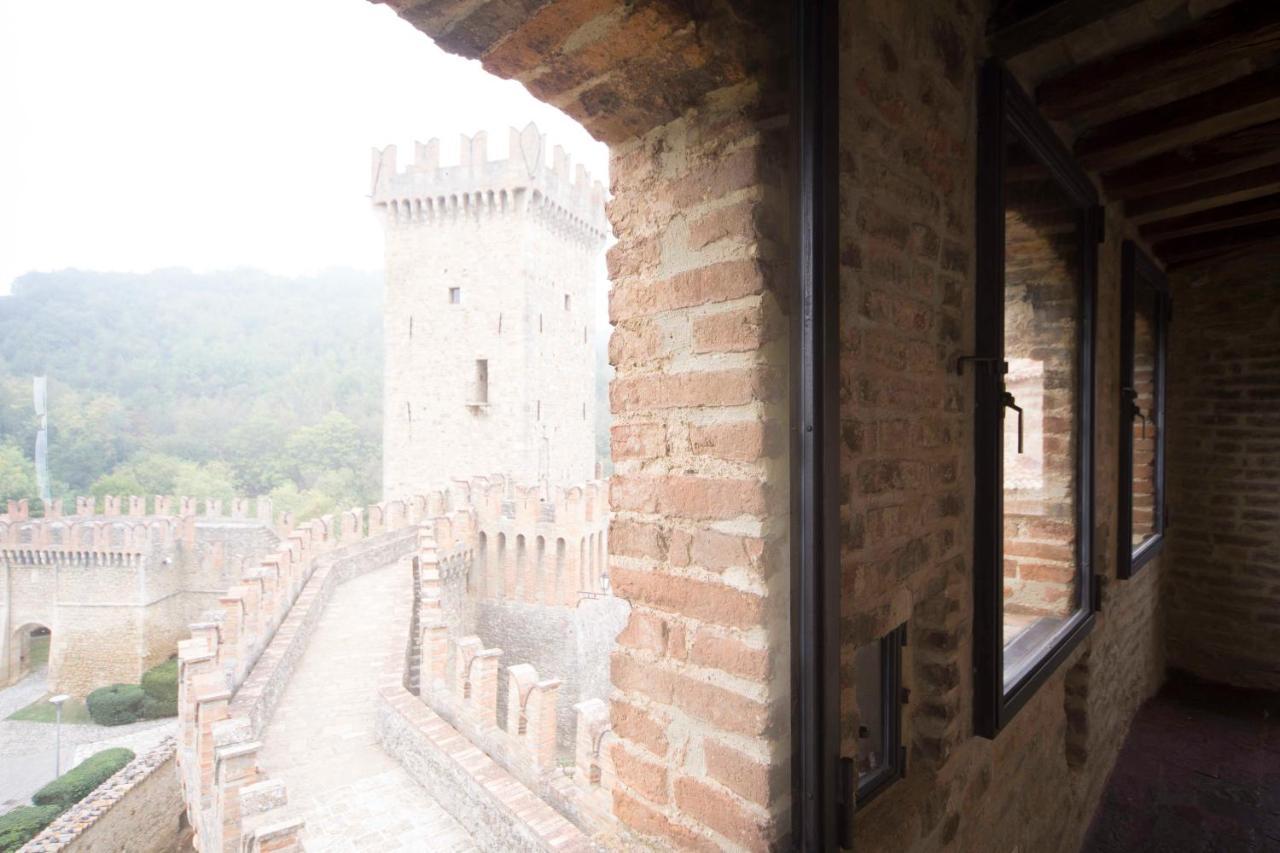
(1041, 590)
(1146, 426)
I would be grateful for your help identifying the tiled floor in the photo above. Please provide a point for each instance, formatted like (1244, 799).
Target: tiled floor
(1199, 771)
(321, 740)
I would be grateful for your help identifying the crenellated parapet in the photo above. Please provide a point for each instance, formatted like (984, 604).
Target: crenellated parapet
(531, 181)
(539, 548)
(458, 678)
(234, 665)
(89, 541)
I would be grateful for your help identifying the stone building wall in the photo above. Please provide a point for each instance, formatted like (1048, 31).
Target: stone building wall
(1224, 484)
(908, 131)
(520, 239)
(139, 809)
(117, 593)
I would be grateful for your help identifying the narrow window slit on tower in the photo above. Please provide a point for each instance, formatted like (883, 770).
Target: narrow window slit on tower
(567, 302)
(480, 391)
(455, 296)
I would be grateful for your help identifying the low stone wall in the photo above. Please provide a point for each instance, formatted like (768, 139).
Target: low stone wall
(500, 812)
(138, 809)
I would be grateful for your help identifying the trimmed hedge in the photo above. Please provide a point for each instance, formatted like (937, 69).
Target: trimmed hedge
(160, 683)
(78, 782)
(116, 705)
(24, 823)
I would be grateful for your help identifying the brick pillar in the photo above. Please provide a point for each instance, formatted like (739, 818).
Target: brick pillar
(110, 505)
(164, 505)
(213, 508)
(540, 709)
(237, 766)
(211, 707)
(699, 491)
(484, 686)
(85, 505)
(187, 506)
(592, 722)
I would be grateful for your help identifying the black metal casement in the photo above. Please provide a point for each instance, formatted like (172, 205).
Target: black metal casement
(1141, 280)
(819, 806)
(1005, 110)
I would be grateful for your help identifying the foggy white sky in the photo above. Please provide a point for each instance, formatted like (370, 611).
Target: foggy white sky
(155, 133)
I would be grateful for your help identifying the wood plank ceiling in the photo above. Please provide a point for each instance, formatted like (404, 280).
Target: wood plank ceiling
(1173, 104)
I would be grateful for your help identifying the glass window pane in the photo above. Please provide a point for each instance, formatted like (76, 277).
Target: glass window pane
(1146, 425)
(868, 695)
(1041, 333)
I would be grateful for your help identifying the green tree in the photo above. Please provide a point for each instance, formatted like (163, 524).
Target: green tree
(17, 475)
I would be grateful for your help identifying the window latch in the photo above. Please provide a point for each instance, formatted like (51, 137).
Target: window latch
(1011, 403)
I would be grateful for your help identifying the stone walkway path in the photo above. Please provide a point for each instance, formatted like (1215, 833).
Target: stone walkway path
(321, 740)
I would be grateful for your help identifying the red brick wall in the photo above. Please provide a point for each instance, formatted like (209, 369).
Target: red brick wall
(699, 490)
(908, 156)
(1224, 474)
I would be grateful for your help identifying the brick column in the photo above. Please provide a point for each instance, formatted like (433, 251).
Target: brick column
(700, 483)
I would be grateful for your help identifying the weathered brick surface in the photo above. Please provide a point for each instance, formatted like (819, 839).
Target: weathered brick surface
(1224, 483)
(908, 79)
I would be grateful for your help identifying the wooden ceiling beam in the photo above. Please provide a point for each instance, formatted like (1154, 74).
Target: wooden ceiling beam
(1184, 249)
(1008, 39)
(1225, 109)
(1222, 157)
(1245, 33)
(1202, 196)
(1264, 209)
(1256, 251)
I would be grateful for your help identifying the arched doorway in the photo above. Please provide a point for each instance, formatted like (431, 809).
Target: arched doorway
(28, 650)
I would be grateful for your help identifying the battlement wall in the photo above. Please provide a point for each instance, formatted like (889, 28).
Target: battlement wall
(238, 660)
(530, 180)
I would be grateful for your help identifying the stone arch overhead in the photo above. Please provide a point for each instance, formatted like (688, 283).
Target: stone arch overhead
(620, 68)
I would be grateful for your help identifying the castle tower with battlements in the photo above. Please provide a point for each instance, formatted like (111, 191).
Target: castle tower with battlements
(492, 272)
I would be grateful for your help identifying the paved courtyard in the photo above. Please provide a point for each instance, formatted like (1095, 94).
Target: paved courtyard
(26, 748)
(321, 740)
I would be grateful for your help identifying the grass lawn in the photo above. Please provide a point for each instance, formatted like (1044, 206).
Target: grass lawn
(39, 651)
(74, 710)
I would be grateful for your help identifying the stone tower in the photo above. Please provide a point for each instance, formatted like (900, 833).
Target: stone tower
(492, 273)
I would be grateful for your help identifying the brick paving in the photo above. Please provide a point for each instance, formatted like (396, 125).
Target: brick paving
(321, 740)
(1199, 771)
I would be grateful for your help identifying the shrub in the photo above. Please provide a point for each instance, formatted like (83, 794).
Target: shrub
(161, 686)
(24, 823)
(154, 709)
(116, 705)
(78, 782)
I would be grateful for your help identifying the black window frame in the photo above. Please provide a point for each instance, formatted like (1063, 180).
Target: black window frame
(891, 701)
(1137, 268)
(1005, 108)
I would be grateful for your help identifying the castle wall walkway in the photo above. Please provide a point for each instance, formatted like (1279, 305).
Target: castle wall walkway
(321, 741)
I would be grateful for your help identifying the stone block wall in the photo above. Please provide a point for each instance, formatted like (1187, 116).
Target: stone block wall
(138, 809)
(1224, 482)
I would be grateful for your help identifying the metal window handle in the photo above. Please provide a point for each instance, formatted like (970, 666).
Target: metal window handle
(1011, 403)
(1135, 411)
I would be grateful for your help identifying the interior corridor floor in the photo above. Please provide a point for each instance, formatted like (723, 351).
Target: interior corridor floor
(1199, 771)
